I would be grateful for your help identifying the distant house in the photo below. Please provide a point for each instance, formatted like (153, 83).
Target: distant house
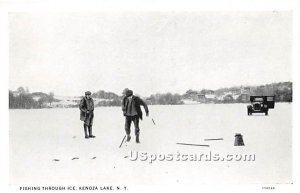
(206, 98)
(210, 97)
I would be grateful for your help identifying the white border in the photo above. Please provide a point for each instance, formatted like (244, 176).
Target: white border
(154, 5)
(4, 162)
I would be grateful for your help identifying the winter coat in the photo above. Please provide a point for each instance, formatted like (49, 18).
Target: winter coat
(137, 102)
(84, 108)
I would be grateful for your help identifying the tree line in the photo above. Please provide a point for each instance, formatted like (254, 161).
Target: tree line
(154, 99)
(23, 99)
(283, 91)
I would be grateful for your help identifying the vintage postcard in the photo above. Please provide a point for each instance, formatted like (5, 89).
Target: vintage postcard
(137, 100)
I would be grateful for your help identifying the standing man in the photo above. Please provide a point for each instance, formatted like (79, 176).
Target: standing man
(86, 107)
(132, 112)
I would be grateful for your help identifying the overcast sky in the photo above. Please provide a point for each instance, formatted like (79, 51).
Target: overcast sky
(149, 52)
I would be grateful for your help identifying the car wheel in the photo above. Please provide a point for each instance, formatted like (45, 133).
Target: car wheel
(249, 112)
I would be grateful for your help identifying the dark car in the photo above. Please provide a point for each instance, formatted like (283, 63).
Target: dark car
(261, 104)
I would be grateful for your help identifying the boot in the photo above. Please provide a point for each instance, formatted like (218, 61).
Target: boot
(85, 131)
(137, 139)
(90, 132)
(128, 138)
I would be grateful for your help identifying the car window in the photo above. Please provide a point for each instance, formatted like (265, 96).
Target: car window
(258, 99)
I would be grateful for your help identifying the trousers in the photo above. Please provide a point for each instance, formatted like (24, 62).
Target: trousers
(135, 120)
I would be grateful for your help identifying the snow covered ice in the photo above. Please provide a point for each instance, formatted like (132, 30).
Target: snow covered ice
(39, 136)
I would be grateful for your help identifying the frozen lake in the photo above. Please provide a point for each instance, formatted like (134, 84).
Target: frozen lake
(37, 137)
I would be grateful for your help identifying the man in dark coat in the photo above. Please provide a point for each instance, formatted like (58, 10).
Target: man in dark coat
(86, 107)
(132, 112)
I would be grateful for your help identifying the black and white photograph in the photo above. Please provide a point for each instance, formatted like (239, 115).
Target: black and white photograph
(130, 100)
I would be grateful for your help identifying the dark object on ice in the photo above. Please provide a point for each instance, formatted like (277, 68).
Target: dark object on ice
(74, 137)
(153, 121)
(86, 107)
(94, 157)
(192, 144)
(122, 141)
(56, 160)
(137, 139)
(261, 104)
(213, 139)
(238, 140)
(75, 158)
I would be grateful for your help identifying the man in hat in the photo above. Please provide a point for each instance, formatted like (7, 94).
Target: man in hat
(86, 107)
(132, 112)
